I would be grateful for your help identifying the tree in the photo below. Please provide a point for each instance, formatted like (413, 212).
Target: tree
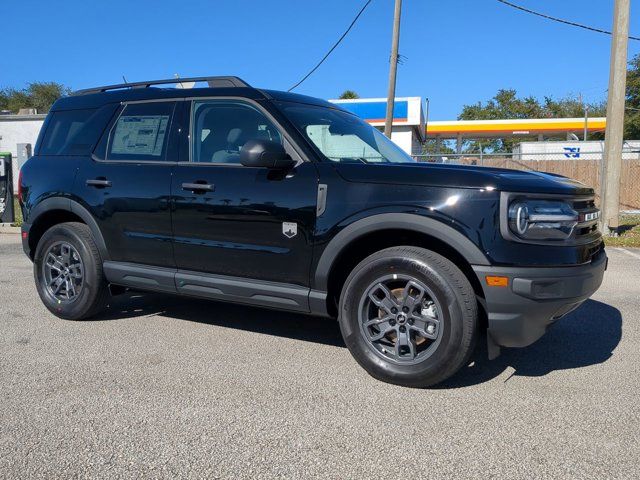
(433, 147)
(507, 105)
(573, 107)
(348, 94)
(38, 95)
(632, 113)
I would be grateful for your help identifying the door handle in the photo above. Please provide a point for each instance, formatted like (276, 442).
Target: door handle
(195, 187)
(99, 183)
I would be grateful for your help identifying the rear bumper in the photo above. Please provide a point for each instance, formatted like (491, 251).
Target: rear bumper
(520, 313)
(25, 238)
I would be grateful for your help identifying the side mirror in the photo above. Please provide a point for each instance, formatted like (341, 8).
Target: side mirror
(266, 154)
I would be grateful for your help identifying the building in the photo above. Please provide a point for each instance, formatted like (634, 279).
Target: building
(571, 150)
(18, 129)
(15, 129)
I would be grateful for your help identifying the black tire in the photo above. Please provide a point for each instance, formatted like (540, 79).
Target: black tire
(92, 288)
(457, 309)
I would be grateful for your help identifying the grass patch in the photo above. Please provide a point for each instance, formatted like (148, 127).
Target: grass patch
(17, 212)
(629, 233)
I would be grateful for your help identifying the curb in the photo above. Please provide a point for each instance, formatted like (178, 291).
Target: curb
(7, 228)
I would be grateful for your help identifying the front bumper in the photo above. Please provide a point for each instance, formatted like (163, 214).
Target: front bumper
(520, 313)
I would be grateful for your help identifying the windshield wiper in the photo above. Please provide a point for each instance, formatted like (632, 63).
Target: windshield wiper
(365, 160)
(354, 159)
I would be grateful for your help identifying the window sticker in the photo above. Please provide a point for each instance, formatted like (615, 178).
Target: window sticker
(140, 135)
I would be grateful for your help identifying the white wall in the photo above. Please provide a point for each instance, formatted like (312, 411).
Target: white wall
(403, 137)
(16, 129)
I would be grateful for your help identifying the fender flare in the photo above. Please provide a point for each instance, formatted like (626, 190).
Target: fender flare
(69, 205)
(386, 221)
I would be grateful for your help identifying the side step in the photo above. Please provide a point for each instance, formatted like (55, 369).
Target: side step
(262, 293)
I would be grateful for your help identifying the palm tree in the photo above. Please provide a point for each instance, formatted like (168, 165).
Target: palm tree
(348, 94)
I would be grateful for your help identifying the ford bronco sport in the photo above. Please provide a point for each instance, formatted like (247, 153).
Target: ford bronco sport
(232, 193)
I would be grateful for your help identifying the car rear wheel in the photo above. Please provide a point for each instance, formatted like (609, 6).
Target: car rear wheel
(68, 271)
(408, 316)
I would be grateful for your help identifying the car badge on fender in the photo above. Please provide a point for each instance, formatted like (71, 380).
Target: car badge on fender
(289, 229)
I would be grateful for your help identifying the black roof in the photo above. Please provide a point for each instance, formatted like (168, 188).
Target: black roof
(98, 96)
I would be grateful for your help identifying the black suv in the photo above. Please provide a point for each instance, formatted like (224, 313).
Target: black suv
(267, 198)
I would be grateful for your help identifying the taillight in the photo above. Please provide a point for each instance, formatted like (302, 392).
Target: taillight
(20, 186)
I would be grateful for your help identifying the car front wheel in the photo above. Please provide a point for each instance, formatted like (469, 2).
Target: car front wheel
(408, 316)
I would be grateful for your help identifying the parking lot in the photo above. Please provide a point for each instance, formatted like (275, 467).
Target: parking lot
(169, 387)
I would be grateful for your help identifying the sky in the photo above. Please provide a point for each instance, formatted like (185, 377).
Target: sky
(455, 52)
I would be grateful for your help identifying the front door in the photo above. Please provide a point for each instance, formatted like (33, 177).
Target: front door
(240, 221)
(127, 184)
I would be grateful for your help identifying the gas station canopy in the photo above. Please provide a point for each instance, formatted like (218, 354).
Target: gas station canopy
(508, 128)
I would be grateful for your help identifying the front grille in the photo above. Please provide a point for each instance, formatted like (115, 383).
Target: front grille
(588, 218)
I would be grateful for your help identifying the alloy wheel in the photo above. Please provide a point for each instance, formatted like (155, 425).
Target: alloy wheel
(400, 318)
(63, 272)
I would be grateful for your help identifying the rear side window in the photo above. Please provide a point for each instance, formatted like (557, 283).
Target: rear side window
(75, 132)
(62, 127)
(141, 132)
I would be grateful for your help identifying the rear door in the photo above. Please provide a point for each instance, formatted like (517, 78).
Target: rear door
(241, 221)
(127, 184)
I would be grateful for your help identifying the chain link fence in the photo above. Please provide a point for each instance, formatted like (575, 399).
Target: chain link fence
(584, 167)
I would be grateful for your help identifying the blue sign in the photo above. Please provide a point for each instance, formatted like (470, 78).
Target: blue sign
(572, 152)
(376, 111)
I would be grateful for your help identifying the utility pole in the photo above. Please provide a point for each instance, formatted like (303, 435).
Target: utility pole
(614, 134)
(393, 67)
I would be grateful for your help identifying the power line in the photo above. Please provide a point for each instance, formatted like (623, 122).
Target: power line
(334, 45)
(560, 20)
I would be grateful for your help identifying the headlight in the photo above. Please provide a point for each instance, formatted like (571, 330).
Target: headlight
(542, 219)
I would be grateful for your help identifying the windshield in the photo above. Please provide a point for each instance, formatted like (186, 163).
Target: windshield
(343, 137)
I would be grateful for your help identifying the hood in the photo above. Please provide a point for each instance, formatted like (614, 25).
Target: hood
(461, 176)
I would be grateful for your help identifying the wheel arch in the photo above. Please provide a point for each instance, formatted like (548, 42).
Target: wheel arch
(368, 235)
(55, 210)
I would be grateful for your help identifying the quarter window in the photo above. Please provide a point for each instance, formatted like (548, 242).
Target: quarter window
(63, 127)
(141, 132)
(221, 127)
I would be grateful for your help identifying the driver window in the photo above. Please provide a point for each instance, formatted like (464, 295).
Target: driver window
(219, 129)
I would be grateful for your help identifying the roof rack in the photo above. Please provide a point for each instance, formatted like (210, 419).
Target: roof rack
(213, 82)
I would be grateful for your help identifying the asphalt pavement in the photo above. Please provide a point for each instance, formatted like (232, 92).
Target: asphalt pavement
(166, 387)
